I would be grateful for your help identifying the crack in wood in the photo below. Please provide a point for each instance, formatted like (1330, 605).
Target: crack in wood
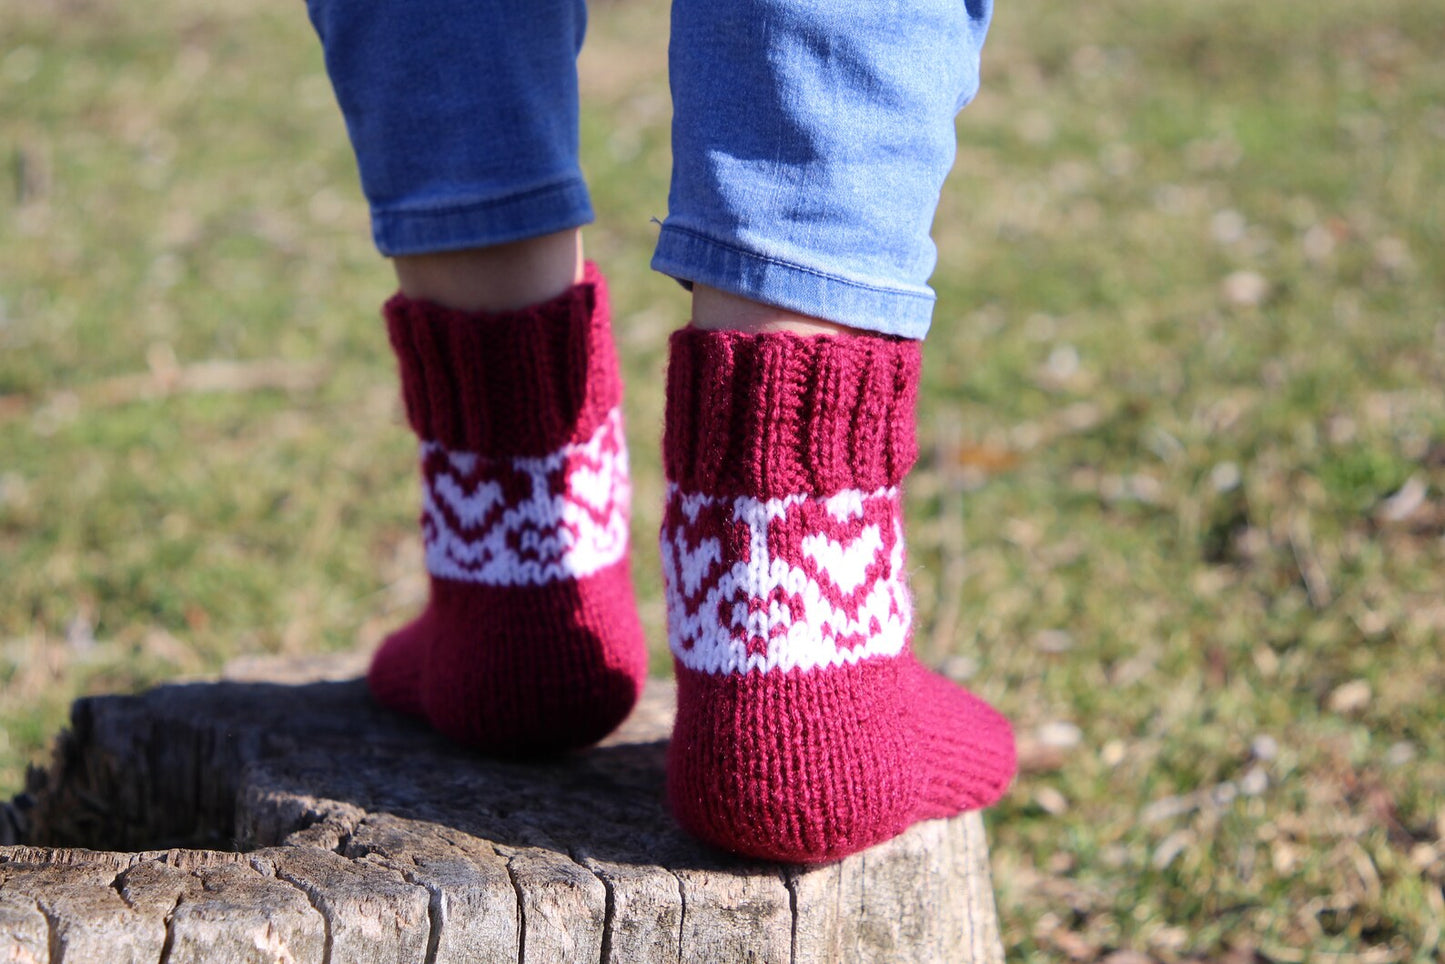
(57, 951)
(682, 920)
(435, 908)
(790, 881)
(521, 906)
(115, 885)
(313, 898)
(170, 921)
(363, 814)
(436, 895)
(609, 906)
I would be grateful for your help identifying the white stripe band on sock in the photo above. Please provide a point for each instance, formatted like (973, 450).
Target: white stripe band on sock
(527, 521)
(793, 596)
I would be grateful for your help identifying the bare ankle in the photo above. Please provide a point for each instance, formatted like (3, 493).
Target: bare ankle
(503, 277)
(714, 310)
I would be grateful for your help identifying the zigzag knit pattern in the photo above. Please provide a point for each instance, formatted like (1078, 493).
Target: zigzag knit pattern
(527, 521)
(806, 731)
(807, 583)
(530, 641)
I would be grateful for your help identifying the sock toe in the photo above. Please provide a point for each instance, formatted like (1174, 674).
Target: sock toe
(395, 673)
(967, 747)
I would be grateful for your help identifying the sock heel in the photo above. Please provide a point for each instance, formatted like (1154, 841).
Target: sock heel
(802, 767)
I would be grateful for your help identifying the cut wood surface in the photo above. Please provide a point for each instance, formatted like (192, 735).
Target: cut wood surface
(278, 815)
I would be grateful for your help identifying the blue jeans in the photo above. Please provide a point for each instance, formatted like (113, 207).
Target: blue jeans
(810, 138)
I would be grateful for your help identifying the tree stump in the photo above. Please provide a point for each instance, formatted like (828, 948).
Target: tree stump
(278, 815)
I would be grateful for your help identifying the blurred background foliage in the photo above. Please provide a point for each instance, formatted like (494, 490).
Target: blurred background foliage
(1181, 504)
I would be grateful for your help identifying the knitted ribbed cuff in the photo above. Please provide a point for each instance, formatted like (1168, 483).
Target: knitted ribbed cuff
(779, 414)
(516, 383)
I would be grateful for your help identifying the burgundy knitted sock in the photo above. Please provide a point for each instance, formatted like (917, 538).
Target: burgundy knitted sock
(805, 731)
(530, 641)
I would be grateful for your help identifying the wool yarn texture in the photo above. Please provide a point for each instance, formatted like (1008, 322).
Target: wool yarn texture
(530, 641)
(806, 730)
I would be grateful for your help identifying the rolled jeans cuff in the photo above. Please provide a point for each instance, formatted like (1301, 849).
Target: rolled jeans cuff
(456, 224)
(888, 309)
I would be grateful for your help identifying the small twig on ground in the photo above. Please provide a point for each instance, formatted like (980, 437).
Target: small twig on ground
(1302, 545)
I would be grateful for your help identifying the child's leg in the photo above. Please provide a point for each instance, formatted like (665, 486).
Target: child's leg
(464, 122)
(810, 140)
(463, 117)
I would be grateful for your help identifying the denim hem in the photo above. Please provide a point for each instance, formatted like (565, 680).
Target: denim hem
(690, 257)
(478, 224)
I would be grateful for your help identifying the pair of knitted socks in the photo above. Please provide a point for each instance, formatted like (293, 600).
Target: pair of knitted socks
(805, 729)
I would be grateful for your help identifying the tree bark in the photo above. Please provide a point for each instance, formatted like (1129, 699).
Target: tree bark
(279, 815)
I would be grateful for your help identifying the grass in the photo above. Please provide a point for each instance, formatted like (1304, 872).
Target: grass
(1180, 510)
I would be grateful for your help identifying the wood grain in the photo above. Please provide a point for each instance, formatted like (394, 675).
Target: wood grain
(278, 815)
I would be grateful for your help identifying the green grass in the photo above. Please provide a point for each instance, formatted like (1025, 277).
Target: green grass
(1189, 342)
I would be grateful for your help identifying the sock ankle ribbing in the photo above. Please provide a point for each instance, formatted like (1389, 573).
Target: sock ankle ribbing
(806, 730)
(530, 641)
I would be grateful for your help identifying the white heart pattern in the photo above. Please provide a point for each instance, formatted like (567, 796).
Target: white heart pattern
(783, 584)
(527, 521)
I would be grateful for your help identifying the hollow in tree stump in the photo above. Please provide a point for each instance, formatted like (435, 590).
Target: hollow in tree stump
(278, 815)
